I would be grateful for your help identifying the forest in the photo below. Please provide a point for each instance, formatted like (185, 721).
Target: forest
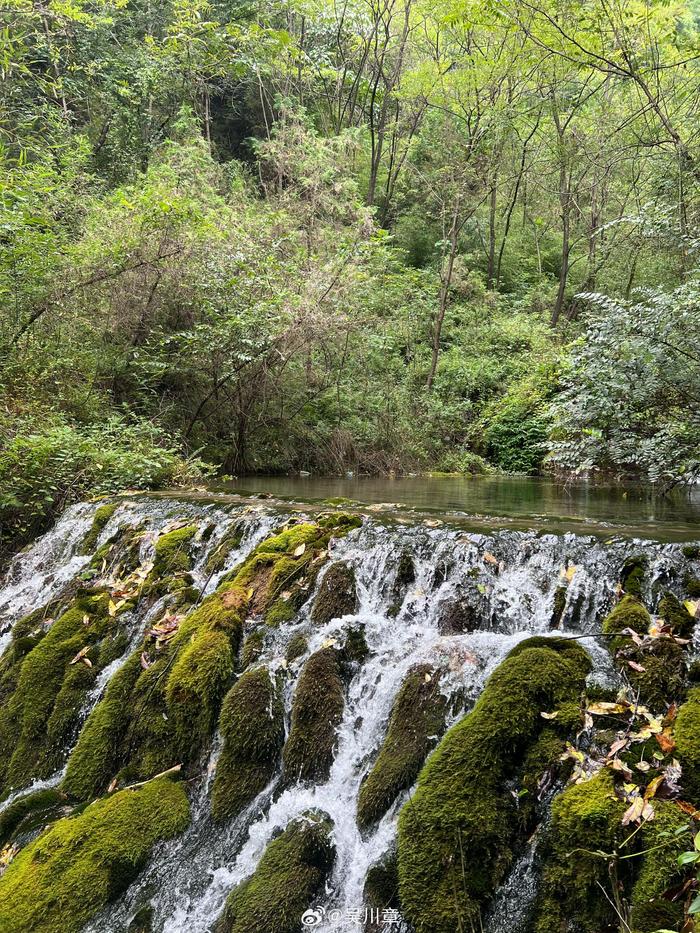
(373, 235)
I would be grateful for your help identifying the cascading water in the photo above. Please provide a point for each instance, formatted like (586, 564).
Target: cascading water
(502, 587)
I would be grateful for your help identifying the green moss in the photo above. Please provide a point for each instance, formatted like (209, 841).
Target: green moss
(586, 827)
(672, 611)
(290, 875)
(172, 551)
(161, 708)
(161, 711)
(417, 719)
(101, 517)
(253, 646)
(252, 725)
(658, 871)
(691, 585)
(633, 574)
(47, 690)
(687, 737)
(356, 649)
(63, 878)
(456, 834)
(219, 555)
(336, 595)
(382, 883)
(30, 811)
(296, 647)
(662, 675)
(317, 710)
(558, 606)
(691, 551)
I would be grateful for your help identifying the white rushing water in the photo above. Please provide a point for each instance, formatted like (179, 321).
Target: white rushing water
(504, 584)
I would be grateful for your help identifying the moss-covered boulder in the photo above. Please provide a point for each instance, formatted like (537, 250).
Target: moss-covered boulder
(457, 832)
(337, 594)
(296, 647)
(252, 726)
(381, 889)
(657, 668)
(289, 878)
(282, 570)
(687, 738)
(216, 560)
(46, 682)
(585, 831)
(633, 575)
(674, 613)
(417, 720)
(317, 710)
(30, 812)
(657, 871)
(99, 522)
(63, 878)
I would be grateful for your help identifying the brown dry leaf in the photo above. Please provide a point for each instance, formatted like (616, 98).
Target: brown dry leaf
(688, 808)
(490, 559)
(87, 662)
(636, 667)
(617, 746)
(145, 663)
(81, 654)
(550, 715)
(298, 551)
(428, 678)
(432, 522)
(637, 811)
(617, 765)
(665, 741)
(643, 766)
(605, 709)
(112, 786)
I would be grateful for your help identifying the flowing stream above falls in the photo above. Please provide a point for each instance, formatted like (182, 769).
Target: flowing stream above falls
(474, 595)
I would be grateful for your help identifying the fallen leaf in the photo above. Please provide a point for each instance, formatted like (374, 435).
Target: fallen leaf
(112, 608)
(112, 786)
(570, 572)
(665, 742)
(636, 667)
(298, 551)
(145, 663)
(87, 662)
(428, 678)
(604, 709)
(81, 654)
(550, 715)
(692, 606)
(490, 559)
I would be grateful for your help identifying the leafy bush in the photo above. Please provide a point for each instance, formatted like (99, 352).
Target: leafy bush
(45, 467)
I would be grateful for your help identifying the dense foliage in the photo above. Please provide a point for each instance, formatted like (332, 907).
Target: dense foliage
(308, 235)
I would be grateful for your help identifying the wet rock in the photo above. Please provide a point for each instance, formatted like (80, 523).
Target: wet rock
(337, 594)
(458, 615)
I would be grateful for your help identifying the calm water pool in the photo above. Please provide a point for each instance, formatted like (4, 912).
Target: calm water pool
(516, 501)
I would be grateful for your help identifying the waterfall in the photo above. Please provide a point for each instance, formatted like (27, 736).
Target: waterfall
(503, 587)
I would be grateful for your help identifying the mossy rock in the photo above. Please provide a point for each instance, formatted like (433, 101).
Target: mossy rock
(417, 720)
(317, 711)
(458, 615)
(558, 606)
(691, 584)
(673, 612)
(586, 825)
(337, 594)
(296, 647)
(142, 921)
(99, 522)
(381, 889)
(66, 876)
(686, 734)
(458, 831)
(658, 670)
(405, 576)
(253, 646)
(691, 551)
(657, 871)
(633, 575)
(252, 725)
(356, 648)
(172, 551)
(216, 560)
(46, 689)
(30, 812)
(290, 876)
(161, 707)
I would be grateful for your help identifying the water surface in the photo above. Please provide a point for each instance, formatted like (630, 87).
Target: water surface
(522, 502)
